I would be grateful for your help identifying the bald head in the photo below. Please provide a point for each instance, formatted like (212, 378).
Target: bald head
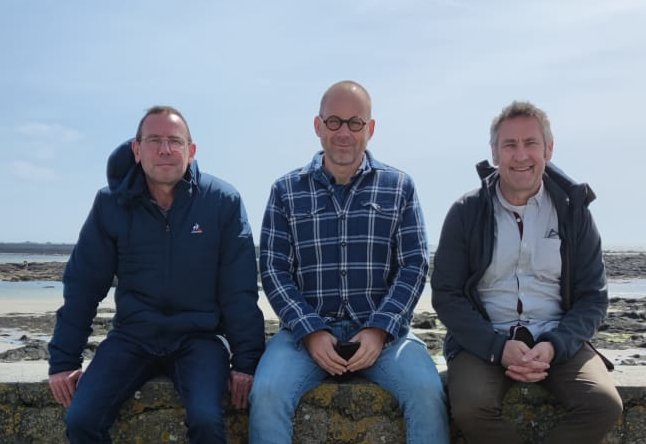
(344, 87)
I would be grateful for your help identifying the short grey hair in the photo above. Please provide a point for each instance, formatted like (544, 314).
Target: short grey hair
(521, 109)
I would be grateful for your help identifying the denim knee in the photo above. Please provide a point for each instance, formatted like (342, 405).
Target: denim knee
(205, 425)
(263, 392)
(84, 425)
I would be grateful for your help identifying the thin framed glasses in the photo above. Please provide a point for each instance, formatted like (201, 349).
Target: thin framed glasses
(156, 142)
(334, 123)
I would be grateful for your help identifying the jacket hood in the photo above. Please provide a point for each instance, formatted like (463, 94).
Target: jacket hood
(125, 176)
(489, 174)
(120, 163)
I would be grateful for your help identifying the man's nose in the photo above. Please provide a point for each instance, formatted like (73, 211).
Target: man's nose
(521, 152)
(164, 146)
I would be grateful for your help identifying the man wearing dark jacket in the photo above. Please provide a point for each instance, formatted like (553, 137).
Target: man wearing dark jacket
(519, 282)
(181, 248)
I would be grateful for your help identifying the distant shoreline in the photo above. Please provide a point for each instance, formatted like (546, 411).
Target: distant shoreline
(35, 248)
(618, 265)
(65, 248)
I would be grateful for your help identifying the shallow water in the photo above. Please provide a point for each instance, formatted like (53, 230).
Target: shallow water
(46, 296)
(19, 258)
(37, 297)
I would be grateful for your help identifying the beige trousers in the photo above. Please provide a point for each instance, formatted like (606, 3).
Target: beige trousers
(583, 385)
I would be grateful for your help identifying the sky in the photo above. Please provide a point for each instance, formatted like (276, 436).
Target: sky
(77, 77)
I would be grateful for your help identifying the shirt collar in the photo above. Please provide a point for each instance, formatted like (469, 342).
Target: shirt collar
(538, 198)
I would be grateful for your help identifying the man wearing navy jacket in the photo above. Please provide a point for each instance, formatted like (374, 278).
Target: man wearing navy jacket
(181, 248)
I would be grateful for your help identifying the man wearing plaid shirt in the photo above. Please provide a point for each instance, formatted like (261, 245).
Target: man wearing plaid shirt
(344, 258)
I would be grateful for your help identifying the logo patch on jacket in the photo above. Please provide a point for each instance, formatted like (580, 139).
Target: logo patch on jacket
(196, 229)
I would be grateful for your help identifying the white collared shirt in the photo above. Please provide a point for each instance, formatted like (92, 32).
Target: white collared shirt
(526, 269)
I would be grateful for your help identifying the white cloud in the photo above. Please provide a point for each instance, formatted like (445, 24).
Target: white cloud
(31, 172)
(46, 132)
(45, 140)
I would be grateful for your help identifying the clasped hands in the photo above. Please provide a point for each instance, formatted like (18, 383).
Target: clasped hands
(320, 344)
(527, 364)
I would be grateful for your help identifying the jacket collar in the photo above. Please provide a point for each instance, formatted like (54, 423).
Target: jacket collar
(553, 175)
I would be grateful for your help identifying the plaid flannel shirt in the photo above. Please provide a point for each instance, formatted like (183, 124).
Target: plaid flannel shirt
(365, 258)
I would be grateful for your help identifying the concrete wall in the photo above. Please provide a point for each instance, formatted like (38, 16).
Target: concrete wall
(353, 412)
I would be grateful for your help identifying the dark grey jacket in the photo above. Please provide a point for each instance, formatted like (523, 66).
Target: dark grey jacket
(465, 251)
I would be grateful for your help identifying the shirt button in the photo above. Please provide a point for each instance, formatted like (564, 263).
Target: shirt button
(342, 217)
(343, 272)
(343, 244)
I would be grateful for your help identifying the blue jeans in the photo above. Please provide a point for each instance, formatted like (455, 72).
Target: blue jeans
(199, 370)
(286, 372)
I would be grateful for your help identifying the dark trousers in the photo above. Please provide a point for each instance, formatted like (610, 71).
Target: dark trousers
(199, 370)
(583, 385)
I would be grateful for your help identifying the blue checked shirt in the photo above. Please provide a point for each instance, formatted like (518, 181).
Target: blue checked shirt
(363, 257)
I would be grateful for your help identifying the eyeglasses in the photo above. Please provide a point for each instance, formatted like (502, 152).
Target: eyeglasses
(174, 143)
(334, 123)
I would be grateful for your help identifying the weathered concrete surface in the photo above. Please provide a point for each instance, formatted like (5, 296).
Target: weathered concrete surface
(354, 412)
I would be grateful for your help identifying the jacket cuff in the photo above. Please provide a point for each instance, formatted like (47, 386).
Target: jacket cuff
(61, 362)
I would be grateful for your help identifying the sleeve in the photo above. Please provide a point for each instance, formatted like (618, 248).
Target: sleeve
(589, 291)
(88, 276)
(451, 279)
(277, 267)
(412, 256)
(242, 320)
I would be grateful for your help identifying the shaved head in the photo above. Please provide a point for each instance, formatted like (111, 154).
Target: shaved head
(346, 86)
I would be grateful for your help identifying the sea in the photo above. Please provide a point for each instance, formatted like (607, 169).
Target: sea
(46, 296)
(30, 298)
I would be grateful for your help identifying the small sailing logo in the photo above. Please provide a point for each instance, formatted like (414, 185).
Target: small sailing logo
(197, 229)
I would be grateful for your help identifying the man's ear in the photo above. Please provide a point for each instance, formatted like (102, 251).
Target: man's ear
(192, 148)
(136, 146)
(494, 155)
(549, 150)
(317, 125)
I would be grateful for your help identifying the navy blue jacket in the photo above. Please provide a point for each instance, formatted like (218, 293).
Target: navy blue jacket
(465, 251)
(190, 274)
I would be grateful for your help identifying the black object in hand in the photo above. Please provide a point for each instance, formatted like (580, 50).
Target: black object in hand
(346, 349)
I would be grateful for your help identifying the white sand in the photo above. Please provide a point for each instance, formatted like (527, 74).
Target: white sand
(17, 305)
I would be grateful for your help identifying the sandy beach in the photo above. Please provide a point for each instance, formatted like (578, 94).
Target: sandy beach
(25, 325)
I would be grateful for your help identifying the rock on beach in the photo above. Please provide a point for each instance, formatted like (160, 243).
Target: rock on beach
(618, 265)
(623, 329)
